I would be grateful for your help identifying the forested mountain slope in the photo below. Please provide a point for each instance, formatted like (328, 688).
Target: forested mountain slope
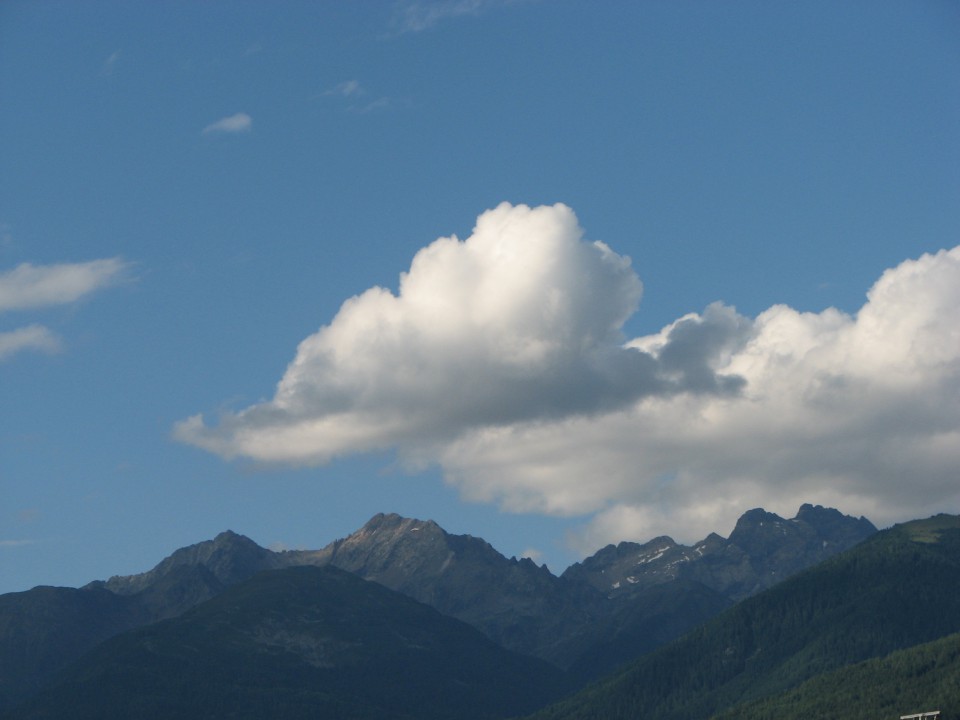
(898, 589)
(919, 679)
(615, 606)
(303, 642)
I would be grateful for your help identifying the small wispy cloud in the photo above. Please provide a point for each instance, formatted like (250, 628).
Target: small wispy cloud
(32, 337)
(348, 88)
(356, 94)
(15, 543)
(378, 104)
(417, 16)
(532, 554)
(31, 286)
(110, 64)
(27, 515)
(28, 287)
(238, 123)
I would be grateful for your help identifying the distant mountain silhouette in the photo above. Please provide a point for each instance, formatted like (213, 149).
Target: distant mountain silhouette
(762, 550)
(898, 589)
(43, 629)
(194, 574)
(303, 642)
(660, 589)
(518, 604)
(613, 607)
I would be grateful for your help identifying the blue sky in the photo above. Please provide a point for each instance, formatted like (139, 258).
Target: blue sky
(189, 191)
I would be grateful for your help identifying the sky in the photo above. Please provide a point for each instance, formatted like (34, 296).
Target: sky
(552, 273)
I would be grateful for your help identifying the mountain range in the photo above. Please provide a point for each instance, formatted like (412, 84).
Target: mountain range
(803, 648)
(301, 642)
(612, 608)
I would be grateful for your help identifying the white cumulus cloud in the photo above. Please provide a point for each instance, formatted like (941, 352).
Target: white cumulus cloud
(519, 322)
(501, 358)
(860, 412)
(238, 123)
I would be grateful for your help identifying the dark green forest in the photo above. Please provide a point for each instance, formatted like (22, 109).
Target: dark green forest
(919, 679)
(297, 643)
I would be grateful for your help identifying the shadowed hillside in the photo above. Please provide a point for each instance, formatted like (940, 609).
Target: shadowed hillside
(898, 589)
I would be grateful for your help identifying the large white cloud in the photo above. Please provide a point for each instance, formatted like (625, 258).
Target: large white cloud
(519, 322)
(501, 358)
(860, 412)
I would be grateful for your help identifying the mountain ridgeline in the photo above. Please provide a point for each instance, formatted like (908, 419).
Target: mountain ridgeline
(558, 633)
(301, 642)
(762, 550)
(897, 590)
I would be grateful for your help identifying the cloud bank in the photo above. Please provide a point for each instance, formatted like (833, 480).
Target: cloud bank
(502, 359)
(28, 287)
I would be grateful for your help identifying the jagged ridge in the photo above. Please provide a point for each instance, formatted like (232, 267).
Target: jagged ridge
(574, 621)
(762, 550)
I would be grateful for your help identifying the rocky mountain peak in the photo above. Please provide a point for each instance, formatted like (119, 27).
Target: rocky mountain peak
(630, 567)
(760, 531)
(389, 549)
(762, 549)
(598, 613)
(815, 527)
(226, 560)
(753, 520)
(391, 522)
(383, 529)
(229, 537)
(833, 527)
(515, 602)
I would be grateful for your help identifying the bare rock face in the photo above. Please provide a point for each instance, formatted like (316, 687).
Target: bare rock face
(625, 569)
(229, 558)
(193, 574)
(520, 605)
(763, 549)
